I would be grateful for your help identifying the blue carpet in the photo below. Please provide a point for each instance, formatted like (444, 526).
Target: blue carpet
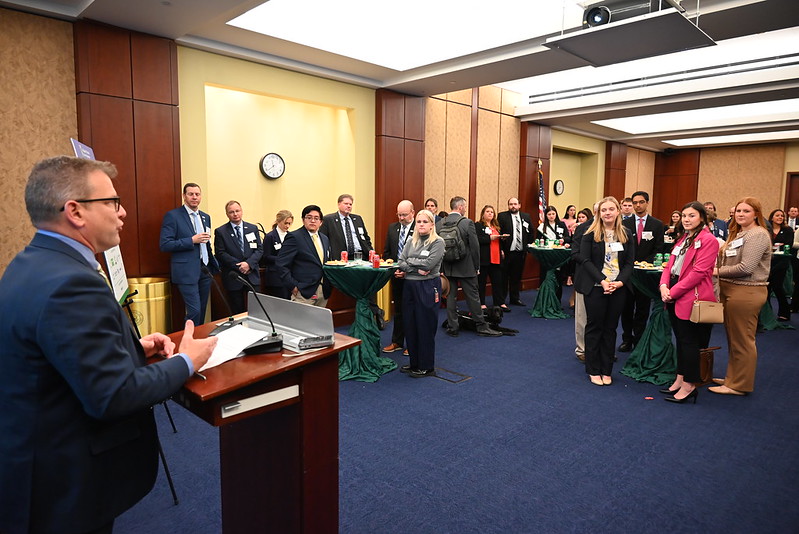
(528, 445)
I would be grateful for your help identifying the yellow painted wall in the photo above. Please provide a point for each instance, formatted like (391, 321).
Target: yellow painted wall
(232, 112)
(567, 166)
(591, 182)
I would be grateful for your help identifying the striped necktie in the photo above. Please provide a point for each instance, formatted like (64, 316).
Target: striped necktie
(401, 243)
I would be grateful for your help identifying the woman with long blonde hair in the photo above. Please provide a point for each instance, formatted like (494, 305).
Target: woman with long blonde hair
(743, 271)
(606, 258)
(420, 265)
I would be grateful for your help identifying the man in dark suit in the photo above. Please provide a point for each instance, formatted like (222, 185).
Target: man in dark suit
(346, 231)
(648, 234)
(186, 233)
(519, 227)
(238, 249)
(398, 234)
(301, 258)
(79, 443)
(463, 271)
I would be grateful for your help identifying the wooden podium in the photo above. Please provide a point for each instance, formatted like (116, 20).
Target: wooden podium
(278, 437)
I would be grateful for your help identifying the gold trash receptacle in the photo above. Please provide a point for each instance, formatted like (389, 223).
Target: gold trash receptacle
(152, 306)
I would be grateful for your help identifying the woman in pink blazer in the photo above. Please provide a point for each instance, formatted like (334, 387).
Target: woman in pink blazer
(686, 278)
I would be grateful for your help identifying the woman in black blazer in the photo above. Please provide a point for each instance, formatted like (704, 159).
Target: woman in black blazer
(273, 241)
(781, 235)
(606, 257)
(488, 235)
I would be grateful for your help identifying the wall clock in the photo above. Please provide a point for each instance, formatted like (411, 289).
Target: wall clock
(558, 187)
(272, 166)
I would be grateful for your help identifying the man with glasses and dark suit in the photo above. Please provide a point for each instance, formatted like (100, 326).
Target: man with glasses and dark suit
(300, 260)
(79, 443)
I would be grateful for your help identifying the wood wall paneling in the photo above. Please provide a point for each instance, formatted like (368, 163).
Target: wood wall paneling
(413, 187)
(106, 125)
(390, 113)
(458, 153)
(153, 61)
(102, 55)
(414, 118)
(615, 169)
(154, 192)
(676, 181)
(488, 159)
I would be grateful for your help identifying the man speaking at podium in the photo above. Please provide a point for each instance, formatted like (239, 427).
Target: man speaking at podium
(79, 443)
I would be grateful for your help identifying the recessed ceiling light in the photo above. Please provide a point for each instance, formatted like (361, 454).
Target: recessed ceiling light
(786, 135)
(442, 30)
(740, 114)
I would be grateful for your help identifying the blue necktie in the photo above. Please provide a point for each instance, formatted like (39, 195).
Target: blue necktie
(401, 243)
(198, 227)
(239, 239)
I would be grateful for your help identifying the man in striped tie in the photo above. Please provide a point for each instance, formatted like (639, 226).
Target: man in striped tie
(238, 249)
(398, 234)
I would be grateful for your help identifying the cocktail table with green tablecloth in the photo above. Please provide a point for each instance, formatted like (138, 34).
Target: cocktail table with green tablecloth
(360, 281)
(654, 358)
(547, 304)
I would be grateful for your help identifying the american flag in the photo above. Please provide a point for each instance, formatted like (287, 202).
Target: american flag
(542, 199)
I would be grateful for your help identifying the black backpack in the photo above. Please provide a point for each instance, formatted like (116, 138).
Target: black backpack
(454, 245)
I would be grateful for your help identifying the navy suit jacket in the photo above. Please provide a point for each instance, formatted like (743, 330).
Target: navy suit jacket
(176, 233)
(79, 444)
(591, 258)
(392, 240)
(228, 253)
(646, 250)
(299, 265)
(272, 246)
(331, 227)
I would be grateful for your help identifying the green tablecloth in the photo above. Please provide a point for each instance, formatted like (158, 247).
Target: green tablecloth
(767, 318)
(654, 358)
(363, 362)
(547, 304)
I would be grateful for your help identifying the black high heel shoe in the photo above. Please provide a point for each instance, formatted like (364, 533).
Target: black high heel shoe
(694, 395)
(667, 391)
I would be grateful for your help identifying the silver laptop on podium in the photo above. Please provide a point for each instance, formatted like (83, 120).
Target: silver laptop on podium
(303, 326)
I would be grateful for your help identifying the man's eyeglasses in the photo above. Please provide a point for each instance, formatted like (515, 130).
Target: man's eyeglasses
(116, 200)
(312, 218)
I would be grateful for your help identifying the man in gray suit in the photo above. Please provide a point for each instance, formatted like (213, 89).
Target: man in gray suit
(463, 271)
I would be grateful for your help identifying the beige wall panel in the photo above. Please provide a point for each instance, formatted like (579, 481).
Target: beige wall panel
(461, 97)
(728, 174)
(640, 171)
(488, 137)
(37, 102)
(435, 150)
(566, 166)
(490, 98)
(458, 151)
(510, 100)
(509, 146)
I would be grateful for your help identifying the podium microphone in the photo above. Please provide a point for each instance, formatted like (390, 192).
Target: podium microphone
(271, 343)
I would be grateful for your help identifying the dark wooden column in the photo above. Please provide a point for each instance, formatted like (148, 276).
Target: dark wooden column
(615, 169)
(536, 146)
(127, 100)
(676, 181)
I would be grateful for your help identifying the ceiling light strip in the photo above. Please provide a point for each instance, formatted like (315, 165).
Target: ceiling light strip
(671, 77)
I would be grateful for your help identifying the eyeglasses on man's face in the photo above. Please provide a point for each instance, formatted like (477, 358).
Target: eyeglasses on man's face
(312, 218)
(116, 200)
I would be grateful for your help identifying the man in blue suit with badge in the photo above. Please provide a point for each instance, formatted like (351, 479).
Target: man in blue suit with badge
(79, 444)
(238, 250)
(186, 233)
